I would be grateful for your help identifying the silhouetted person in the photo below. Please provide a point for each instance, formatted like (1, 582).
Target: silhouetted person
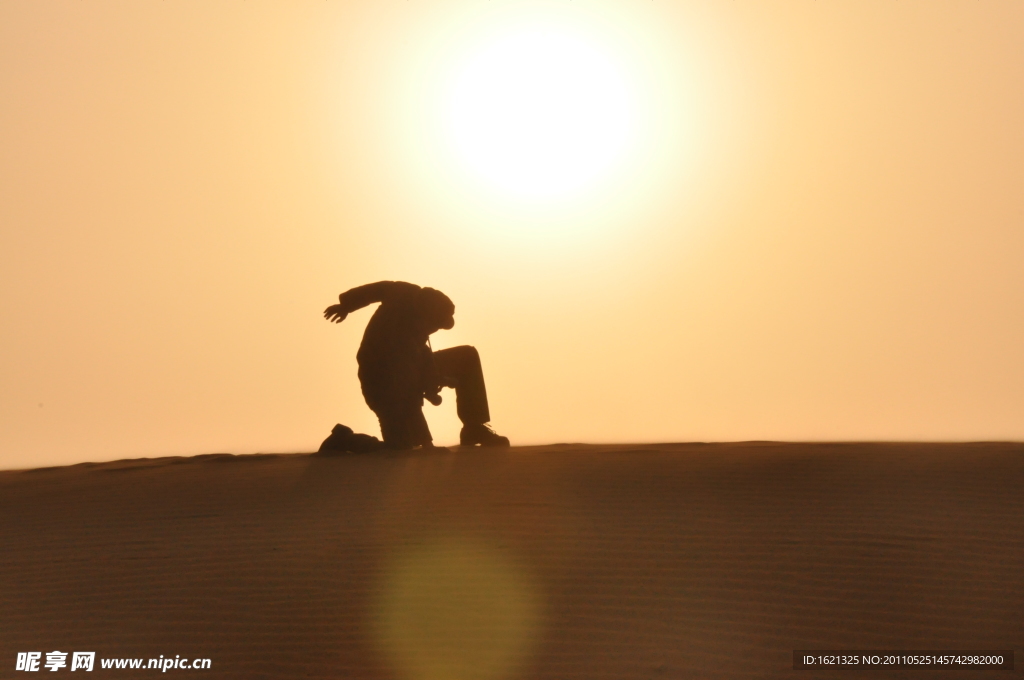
(398, 369)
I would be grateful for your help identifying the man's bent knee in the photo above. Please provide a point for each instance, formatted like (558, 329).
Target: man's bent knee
(463, 354)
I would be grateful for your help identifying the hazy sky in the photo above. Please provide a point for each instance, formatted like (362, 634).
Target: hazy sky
(799, 220)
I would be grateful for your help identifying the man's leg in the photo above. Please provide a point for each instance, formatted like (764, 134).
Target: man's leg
(459, 367)
(402, 425)
(403, 428)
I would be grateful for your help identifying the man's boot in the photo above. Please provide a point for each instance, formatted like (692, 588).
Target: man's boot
(481, 434)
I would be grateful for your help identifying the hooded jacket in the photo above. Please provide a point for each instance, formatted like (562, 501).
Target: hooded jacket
(395, 360)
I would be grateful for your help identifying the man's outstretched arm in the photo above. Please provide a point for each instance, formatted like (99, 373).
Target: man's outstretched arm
(361, 296)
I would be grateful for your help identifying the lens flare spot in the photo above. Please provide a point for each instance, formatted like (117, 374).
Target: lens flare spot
(453, 609)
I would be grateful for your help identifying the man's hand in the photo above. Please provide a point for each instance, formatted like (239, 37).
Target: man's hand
(335, 313)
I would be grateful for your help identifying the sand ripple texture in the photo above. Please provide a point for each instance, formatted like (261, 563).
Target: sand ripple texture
(565, 561)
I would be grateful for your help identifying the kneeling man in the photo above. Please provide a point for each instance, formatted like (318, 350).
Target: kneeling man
(398, 369)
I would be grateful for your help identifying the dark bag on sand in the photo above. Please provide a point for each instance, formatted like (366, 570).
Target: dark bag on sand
(344, 440)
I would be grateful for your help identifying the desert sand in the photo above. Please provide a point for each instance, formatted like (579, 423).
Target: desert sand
(564, 561)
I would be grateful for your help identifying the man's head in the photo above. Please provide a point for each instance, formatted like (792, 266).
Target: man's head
(436, 310)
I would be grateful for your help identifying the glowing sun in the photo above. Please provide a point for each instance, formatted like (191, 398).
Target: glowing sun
(540, 113)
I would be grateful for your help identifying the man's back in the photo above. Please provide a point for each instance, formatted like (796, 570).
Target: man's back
(392, 333)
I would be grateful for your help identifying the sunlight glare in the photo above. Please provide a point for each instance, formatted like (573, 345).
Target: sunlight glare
(540, 113)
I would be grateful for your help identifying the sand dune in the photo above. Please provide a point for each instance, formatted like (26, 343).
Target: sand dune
(567, 561)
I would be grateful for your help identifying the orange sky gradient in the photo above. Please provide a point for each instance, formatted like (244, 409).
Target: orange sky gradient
(817, 235)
